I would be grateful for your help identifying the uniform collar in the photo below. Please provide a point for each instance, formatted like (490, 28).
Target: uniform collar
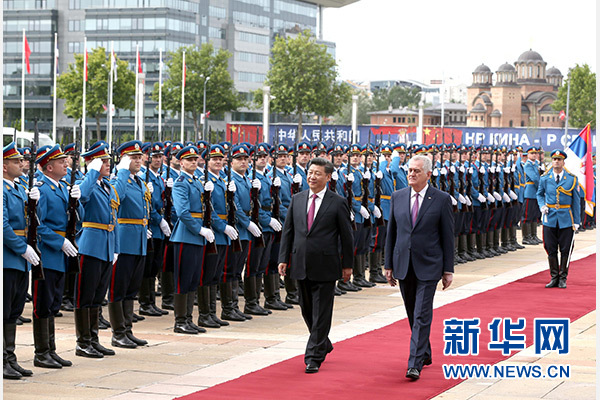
(9, 182)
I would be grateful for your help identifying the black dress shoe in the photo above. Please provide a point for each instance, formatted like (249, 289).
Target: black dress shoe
(24, 319)
(182, 327)
(161, 311)
(427, 361)
(312, 368)
(292, 300)
(166, 305)
(148, 310)
(413, 374)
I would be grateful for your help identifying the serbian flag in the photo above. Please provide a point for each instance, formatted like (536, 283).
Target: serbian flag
(579, 163)
(562, 115)
(184, 72)
(85, 65)
(139, 61)
(27, 52)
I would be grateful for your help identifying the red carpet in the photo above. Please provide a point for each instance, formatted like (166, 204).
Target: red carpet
(373, 365)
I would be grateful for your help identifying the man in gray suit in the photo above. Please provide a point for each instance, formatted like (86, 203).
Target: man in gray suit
(316, 246)
(419, 251)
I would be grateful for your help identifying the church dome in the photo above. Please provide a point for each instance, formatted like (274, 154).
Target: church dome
(530, 55)
(482, 68)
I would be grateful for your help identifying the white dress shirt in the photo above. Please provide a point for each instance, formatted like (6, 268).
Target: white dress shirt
(421, 197)
(318, 200)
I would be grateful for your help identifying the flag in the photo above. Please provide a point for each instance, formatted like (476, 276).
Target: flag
(27, 53)
(56, 56)
(184, 72)
(139, 60)
(562, 115)
(113, 60)
(85, 65)
(579, 163)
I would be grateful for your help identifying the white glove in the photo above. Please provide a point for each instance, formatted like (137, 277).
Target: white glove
(124, 163)
(148, 234)
(405, 167)
(112, 176)
(35, 181)
(379, 175)
(505, 198)
(480, 198)
(482, 170)
(231, 232)
(115, 257)
(367, 175)
(575, 226)
(468, 201)
(334, 176)
(492, 169)
(351, 216)
(544, 210)
(231, 187)
(297, 178)
(209, 186)
(207, 234)
(164, 227)
(277, 182)
(170, 182)
(497, 196)
(471, 170)
(490, 198)
(462, 199)
(276, 225)
(436, 172)
(34, 193)
(512, 169)
(31, 256)
(543, 166)
(75, 192)
(256, 183)
(350, 177)
(507, 170)
(443, 171)
(462, 169)
(453, 169)
(513, 195)
(377, 212)
(68, 248)
(150, 187)
(454, 202)
(254, 229)
(95, 165)
(364, 212)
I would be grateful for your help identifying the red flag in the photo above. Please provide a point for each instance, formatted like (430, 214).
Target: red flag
(184, 73)
(139, 60)
(85, 67)
(207, 114)
(562, 115)
(27, 54)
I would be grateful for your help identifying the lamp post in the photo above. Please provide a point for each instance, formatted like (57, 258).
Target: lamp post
(204, 109)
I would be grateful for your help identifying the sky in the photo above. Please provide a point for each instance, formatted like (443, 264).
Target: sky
(442, 39)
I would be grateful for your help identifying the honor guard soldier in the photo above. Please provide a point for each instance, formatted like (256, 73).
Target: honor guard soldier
(70, 151)
(55, 248)
(133, 235)
(189, 239)
(399, 167)
(530, 207)
(304, 152)
(100, 201)
(160, 229)
(560, 208)
(17, 256)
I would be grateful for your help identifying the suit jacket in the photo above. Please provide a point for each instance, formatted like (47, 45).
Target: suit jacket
(315, 254)
(430, 243)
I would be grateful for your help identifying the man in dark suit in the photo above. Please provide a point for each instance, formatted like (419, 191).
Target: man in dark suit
(419, 251)
(316, 227)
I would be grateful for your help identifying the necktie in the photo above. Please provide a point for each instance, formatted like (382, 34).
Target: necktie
(557, 179)
(137, 180)
(415, 209)
(311, 212)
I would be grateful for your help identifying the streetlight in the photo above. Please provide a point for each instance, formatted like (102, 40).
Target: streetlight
(204, 109)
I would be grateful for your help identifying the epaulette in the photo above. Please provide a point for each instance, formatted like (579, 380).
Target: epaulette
(39, 183)
(181, 178)
(547, 172)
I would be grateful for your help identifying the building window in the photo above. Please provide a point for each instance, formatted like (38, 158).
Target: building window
(74, 25)
(394, 119)
(510, 123)
(74, 4)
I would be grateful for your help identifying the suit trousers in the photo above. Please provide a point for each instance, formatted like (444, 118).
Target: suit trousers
(316, 303)
(154, 263)
(234, 263)
(212, 267)
(92, 282)
(126, 277)
(556, 238)
(418, 301)
(13, 295)
(187, 262)
(47, 293)
(378, 234)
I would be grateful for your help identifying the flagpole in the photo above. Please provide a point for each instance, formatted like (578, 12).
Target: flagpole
(160, 95)
(567, 115)
(137, 68)
(84, 91)
(23, 87)
(110, 92)
(54, 97)
(182, 96)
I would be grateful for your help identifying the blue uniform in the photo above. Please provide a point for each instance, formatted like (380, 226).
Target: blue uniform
(157, 209)
(243, 204)
(562, 200)
(219, 214)
(187, 203)
(15, 243)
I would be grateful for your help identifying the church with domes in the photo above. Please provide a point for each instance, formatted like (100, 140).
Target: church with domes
(519, 95)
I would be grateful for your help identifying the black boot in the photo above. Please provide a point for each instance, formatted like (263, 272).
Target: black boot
(180, 304)
(213, 306)
(252, 307)
(227, 312)
(472, 247)
(10, 358)
(204, 318)
(375, 275)
(554, 271)
(145, 298)
(497, 248)
(168, 289)
(534, 236)
(271, 286)
(564, 271)
(489, 244)
(347, 286)
(94, 321)
(277, 288)
(513, 237)
(457, 258)
(358, 272)
(102, 322)
(128, 314)
(505, 241)
(117, 323)
(190, 313)
(234, 300)
(480, 241)
(52, 345)
(41, 341)
(84, 346)
(462, 249)
(291, 290)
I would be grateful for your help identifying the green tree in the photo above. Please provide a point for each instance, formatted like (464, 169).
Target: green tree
(364, 106)
(582, 102)
(221, 95)
(70, 86)
(397, 96)
(303, 79)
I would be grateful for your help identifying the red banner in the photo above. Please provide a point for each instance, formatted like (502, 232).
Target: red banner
(238, 133)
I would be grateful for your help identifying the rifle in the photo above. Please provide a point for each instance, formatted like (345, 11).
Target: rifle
(333, 182)
(469, 181)
(512, 177)
(275, 211)
(453, 184)
(443, 181)
(497, 179)
(434, 152)
(377, 200)
(167, 193)
(150, 247)
(481, 188)
(350, 195)
(211, 247)
(491, 184)
(254, 199)
(295, 186)
(231, 208)
(71, 232)
(365, 184)
(37, 271)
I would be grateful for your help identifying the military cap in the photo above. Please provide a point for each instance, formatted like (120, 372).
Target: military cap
(239, 150)
(11, 152)
(133, 147)
(559, 154)
(100, 152)
(54, 153)
(188, 152)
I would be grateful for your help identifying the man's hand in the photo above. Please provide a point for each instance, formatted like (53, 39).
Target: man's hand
(282, 267)
(350, 177)
(346, 273)
(390, 278)
(124, 163)
(447, 280)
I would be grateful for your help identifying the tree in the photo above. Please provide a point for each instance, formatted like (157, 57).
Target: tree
(582, 102)
(364, 106)
(70, 86)
(221, 95)
(397, 96)
(303, 79)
